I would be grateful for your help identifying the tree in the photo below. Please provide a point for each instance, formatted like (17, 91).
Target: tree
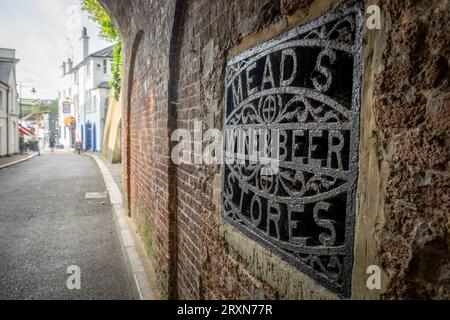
(99, 15)
(39, 107)
(54, 106)
(108, 32)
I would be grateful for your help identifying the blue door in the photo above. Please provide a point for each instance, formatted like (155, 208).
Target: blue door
(88, 136)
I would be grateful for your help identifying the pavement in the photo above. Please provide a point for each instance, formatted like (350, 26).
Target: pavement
(5, 161)
(141, 270)
(115, 170)
(47, 225)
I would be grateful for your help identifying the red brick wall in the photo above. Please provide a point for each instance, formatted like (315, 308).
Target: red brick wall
(206, 268)
(175, 205)
(145, 127)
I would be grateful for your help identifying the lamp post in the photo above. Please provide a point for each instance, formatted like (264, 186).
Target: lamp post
(33, 91)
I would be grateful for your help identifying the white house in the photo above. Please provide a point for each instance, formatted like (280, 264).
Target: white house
(83, 97)
(9, 111)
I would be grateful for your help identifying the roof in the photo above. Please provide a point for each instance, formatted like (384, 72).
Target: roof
(104, 53)
(6, 68)
(104, 85)
(7, 54)
(4, 84)
(30, 117)
(107, 52)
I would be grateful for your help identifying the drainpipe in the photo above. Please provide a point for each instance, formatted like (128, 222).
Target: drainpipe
(7, 122)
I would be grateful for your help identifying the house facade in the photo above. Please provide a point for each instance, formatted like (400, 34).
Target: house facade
(50, 125)
(9, 111)
(83, 98)
(43, 125)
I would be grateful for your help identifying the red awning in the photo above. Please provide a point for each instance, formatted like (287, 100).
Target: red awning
(25, 131)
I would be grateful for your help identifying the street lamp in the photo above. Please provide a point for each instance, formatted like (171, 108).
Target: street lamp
(33, 91)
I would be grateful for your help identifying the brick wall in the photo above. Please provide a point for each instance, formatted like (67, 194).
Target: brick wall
(173, 76)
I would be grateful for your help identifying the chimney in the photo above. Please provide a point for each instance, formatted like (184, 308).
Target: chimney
(69, 65)
(85, 39)
(63, 68)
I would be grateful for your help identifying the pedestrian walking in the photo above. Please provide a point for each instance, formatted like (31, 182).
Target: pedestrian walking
(52, 143)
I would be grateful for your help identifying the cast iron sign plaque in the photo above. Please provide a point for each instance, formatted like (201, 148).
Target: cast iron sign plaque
(299, 92)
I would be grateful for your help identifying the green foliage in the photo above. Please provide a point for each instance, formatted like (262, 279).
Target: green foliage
(116, 81)
(109, 33)
(99, 15)
(40, 109)
(26, 110)
(54, 106)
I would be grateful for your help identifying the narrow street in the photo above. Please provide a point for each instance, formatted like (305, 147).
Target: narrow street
(47, 225)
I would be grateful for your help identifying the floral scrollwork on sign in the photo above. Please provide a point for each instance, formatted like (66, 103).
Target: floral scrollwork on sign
(291, 123)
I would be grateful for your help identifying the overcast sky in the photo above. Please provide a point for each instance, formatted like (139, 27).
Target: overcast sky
(38, 30)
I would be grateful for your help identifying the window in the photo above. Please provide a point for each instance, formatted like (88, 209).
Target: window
(106, 107)
(14, 134)
(105, 66)
(75, 101)
(1, 99)
(6, 99)
(88, 69)
(94, 104)
(87, 102)
(66, 107)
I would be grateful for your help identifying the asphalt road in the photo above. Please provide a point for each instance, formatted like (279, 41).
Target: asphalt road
(46, 226)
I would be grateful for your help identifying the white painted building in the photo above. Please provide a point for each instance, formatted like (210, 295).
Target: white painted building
(83, 98)
(9, 111)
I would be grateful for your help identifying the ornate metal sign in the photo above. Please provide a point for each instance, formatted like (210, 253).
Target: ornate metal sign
(295, 100)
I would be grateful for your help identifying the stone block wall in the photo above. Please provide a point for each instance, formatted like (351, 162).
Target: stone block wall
(111, 146)
(412, 109)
